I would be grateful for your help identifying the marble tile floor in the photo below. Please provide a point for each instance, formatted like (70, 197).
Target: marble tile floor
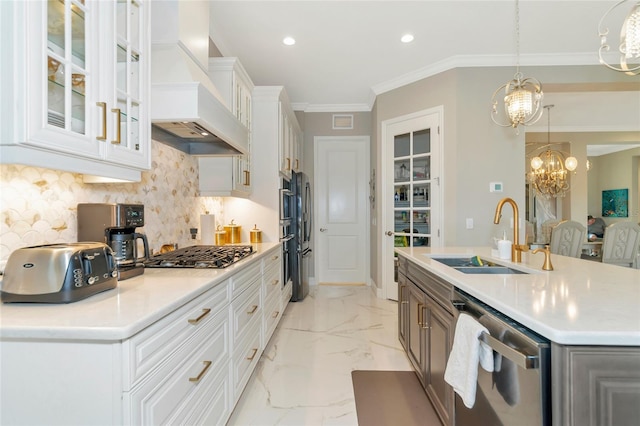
(304, 375)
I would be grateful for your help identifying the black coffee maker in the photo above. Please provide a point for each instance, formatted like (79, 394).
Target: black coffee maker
(115, 225)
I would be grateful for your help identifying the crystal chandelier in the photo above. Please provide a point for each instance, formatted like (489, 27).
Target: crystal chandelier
(629, 47)
(522, 96)
(549, 171)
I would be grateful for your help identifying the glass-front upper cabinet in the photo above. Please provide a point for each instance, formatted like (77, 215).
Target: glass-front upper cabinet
(412, 188)
(77, 84)
(128, 96)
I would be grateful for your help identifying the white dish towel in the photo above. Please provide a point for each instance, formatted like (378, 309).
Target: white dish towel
(467, 352)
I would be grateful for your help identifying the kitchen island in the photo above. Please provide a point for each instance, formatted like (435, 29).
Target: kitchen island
(171, 345)
(588, 311)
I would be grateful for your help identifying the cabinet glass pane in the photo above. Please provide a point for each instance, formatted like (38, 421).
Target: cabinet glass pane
(134, 127)
(134, 30)
(422, 142)
(121, 70)
(402, 170)
(401, 145)
(55, 26)
(121, 18)
(78, 35)
(421, 195)
(134, 75)
(401, 196)
(55, 93)
(122, 129)
(78, 103)
(421, 168)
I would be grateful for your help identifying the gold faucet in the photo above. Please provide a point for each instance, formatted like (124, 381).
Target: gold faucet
(516, 249)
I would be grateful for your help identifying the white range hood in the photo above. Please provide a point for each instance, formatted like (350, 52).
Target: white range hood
(187, 112)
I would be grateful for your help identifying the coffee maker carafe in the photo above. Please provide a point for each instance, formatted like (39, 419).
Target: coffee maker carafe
(115, 225)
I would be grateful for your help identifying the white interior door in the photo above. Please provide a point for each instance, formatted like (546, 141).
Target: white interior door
(411, 183)
(342, 190)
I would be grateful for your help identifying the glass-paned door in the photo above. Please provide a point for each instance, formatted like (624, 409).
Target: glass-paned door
(412, 188)
(68, 76)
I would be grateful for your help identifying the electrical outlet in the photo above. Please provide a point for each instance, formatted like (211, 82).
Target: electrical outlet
(469, 223)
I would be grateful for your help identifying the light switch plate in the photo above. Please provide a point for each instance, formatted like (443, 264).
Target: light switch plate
(495, 187)
(469, 223)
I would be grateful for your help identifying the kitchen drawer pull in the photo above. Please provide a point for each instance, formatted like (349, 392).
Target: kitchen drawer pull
(425, 326)
(275, 282)
(276, 257)
(205, 312)
(247, 178)
(118, 127)
(196, 379)
(420, 305)
(253, 309)
(253, 354)
(296, 164)
(103, 136)
(275, 314)
(288, 163)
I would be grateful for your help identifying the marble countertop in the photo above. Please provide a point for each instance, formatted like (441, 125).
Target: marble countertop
(119, 313)
(578, 303)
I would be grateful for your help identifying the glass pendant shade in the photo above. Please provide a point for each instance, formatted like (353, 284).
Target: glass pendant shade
(629, 46)
(536, 163)
(571, 163)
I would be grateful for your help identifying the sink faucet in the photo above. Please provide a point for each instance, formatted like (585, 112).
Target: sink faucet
(516, 249)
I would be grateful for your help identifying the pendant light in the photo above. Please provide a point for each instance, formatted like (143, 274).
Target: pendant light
(629, 46)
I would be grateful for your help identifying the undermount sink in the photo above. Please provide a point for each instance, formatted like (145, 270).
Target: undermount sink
(464, 265)
(487, 270)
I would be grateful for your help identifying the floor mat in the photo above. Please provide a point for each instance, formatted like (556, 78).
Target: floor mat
(391, 398)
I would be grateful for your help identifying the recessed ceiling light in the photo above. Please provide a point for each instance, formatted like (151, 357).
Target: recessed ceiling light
(407, 38)
(289, 41)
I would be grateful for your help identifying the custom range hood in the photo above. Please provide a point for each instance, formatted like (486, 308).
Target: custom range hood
(187, 111)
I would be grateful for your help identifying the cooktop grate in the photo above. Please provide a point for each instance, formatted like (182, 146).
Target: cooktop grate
(215, 257)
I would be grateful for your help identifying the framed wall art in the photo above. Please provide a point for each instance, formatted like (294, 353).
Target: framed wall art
(615, 203)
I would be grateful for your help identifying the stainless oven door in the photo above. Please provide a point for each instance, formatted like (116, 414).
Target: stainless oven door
(518, 392)
(287, 259)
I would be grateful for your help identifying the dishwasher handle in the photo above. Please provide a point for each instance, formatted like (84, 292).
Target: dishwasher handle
(528, 362)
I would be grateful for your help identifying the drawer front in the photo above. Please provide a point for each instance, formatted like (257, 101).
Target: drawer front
(244, 360)
(272, 315)
(245, 311)
(274, 257)
(245, 278)
(187, 375)
(272, 281)
(147, 349)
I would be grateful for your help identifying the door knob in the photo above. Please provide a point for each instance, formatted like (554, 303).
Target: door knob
(323, 229)
(389, 233)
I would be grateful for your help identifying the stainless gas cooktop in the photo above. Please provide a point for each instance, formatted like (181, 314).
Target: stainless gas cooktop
(215, 257)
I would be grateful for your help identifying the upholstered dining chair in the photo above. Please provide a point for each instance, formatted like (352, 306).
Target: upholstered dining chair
(567, 238)
(621, 243)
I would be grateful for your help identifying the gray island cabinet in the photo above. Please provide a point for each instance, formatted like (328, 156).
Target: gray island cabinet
(588, 312)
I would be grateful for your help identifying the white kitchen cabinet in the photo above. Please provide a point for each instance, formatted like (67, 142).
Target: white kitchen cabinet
(76, 92)
(230, 176)
(289, 138)
(188, 367)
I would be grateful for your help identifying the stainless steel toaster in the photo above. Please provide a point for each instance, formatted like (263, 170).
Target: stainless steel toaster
(58, 273)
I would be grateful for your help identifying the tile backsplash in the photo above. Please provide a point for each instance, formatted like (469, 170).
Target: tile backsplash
(39, 206)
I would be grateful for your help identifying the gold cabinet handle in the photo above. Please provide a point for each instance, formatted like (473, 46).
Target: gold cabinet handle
(276, 257)
(275, 314)
(103, 136)
(247, 178)
(288, 163)
(297, 165)
(424, 324)
(254, 308)
(196, 379)
(118, 127)
(205, 312)
(253, 354)
(275, 282)
(420, 312)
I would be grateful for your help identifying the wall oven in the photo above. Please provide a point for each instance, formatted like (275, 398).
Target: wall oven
(518, 392)
(286, 230)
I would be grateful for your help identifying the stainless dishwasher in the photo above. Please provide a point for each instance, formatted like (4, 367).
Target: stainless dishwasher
(518, 392)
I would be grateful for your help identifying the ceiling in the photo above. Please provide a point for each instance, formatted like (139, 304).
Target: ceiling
(347, 52)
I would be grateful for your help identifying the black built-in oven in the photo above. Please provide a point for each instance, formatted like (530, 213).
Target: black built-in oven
(286, 230)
